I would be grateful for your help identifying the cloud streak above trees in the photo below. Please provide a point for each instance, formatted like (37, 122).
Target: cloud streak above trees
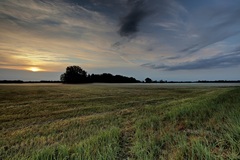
(218, 24)
(231, 59)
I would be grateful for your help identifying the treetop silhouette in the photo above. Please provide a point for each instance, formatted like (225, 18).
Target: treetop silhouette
(75, 74)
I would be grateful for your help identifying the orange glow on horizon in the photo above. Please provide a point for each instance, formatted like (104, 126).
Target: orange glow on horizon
(34, 69)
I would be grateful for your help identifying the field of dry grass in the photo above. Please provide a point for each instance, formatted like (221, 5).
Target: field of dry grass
(119, 122)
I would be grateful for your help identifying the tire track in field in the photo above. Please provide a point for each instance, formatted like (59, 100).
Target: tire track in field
(127, 134)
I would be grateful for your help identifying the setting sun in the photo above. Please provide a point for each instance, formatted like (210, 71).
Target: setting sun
(34, 69)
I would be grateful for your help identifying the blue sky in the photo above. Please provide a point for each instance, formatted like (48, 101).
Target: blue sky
(160, 39)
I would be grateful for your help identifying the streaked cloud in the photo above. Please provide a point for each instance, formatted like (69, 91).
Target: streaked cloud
(222, 60)
(215, 24)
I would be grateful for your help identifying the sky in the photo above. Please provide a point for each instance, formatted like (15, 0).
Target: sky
(161, 39)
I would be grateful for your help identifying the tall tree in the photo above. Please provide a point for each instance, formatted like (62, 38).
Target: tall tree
(148, 80)
(74, 74)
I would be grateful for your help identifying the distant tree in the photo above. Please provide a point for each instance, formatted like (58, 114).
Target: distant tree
(74, 74)
(109, 78)
(148, 80)
(161, 81)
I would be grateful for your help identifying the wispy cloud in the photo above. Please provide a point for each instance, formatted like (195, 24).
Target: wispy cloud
(226, 60)
(213, 25)
(67, 34)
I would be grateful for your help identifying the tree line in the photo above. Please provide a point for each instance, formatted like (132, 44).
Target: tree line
(75, 74)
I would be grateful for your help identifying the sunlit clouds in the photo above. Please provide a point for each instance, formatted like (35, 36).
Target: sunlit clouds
(163, 39)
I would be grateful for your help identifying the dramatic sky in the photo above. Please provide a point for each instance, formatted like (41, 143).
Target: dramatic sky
(160, 39)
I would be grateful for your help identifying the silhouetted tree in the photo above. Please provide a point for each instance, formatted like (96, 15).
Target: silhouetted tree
(74, 74)
(109, 78)
(148, 80)
(162, 81)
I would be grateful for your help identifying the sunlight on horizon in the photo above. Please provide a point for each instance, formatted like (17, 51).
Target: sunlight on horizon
(34, 69)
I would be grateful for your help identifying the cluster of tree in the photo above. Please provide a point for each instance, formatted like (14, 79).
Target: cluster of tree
(47, 81)
(149, 80)
(20, 81)
(219, 81)
(75, 74)
(11, 81)
(109, 78)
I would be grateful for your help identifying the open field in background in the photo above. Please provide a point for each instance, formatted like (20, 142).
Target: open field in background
(119, 122)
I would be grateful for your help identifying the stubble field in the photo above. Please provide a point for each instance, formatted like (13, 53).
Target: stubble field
(142, 122)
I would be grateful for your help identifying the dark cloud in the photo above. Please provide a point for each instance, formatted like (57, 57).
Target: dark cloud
(221, 61)
(129, 23)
